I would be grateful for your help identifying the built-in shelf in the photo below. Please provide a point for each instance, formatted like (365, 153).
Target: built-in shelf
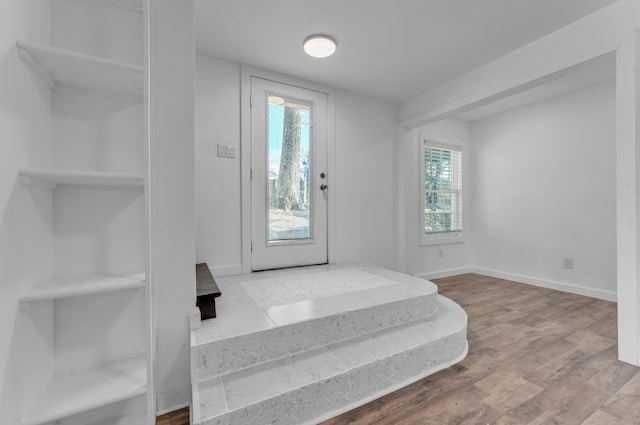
(68, 390)
(58, 66)
(66, 287)
(80, 178)
(138, 419)
(89, 389)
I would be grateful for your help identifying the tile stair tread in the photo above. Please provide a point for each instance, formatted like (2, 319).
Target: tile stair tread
(252, 385)
(238, 313)
(322, 307)
(229, 354)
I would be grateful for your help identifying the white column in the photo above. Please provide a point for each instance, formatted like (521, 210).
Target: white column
(171, 191)
(628, 184)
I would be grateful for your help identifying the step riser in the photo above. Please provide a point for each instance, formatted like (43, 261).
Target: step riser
(236, 353)
(312, 402)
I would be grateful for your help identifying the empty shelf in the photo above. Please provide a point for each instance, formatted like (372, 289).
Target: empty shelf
(89, 389)
(139, 419)
(61, 287)
(81, 178)
(60, 66)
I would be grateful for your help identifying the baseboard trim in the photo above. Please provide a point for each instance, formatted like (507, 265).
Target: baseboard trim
(226, 271)
(170, 402)
(445, 273)
(550, 284)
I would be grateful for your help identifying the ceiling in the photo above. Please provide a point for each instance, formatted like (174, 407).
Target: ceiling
(388, 49)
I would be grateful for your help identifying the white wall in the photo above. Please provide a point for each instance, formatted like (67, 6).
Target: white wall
(99, 29)
(100, 132)
(365, 131)
(25, 212)
(432, 261)
(613, 29)
(544, 180)
(218, 241)
(364, 184)
(171, 190)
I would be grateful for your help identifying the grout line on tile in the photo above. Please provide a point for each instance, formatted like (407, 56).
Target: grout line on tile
(224, 393)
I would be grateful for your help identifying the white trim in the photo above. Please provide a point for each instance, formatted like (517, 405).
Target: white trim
(399, 218)
(550, 284)
(527, 280)
(250, 71)
(445, 273)
(439, 239)
(426, 141)
(226, 270)
(331, 180)
(149, 265)
(245, 167)
(246, 72)
(175, 400)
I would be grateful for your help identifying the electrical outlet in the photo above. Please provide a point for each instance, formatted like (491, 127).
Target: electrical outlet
(440, 253)
(567, 263)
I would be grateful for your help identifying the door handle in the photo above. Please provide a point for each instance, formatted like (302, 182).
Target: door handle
(323, 187)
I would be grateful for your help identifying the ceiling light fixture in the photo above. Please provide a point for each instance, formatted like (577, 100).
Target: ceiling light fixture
(276, 100)
(319, 46)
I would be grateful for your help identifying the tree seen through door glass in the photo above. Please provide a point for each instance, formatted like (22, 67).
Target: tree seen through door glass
(288, 170)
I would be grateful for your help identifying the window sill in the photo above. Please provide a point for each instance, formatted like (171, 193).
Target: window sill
(427, 240)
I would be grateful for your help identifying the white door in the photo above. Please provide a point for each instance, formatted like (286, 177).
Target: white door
(288, 175)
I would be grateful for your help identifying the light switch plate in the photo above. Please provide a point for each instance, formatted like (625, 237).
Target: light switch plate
(226, 151)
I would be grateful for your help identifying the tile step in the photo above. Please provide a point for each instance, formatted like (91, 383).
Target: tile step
(318, 384)
(220, 347)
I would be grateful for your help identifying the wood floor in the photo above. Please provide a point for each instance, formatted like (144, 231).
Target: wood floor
(536, 356)
(179, 417)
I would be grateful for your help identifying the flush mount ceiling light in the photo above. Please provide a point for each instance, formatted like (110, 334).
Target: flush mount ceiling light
(319, 46)
(276, 100)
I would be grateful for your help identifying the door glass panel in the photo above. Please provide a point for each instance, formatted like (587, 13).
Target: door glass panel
(288, 160)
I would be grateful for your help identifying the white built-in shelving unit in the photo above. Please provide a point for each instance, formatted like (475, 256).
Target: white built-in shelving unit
(81, 178)
(93, 388)
(63, 67)
(92, 317)
(66, 287)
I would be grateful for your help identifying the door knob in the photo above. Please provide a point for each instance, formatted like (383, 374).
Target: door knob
(323, 187)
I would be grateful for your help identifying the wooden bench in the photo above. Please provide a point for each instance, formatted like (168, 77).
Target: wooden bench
(206, 292)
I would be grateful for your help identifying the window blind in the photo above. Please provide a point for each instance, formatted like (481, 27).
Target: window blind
(442, 189)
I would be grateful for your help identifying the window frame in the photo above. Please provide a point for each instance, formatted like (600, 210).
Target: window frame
(447, 237)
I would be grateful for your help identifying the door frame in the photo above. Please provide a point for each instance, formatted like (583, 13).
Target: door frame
(246, 73)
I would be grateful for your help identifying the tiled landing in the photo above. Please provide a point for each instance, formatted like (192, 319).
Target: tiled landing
(327, 339)
(318, 384)
(259, 321)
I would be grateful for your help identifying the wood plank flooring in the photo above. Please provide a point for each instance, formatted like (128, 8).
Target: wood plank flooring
(179, 417)
(536, 356)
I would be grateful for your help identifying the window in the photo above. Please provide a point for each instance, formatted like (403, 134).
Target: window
(441, 205)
